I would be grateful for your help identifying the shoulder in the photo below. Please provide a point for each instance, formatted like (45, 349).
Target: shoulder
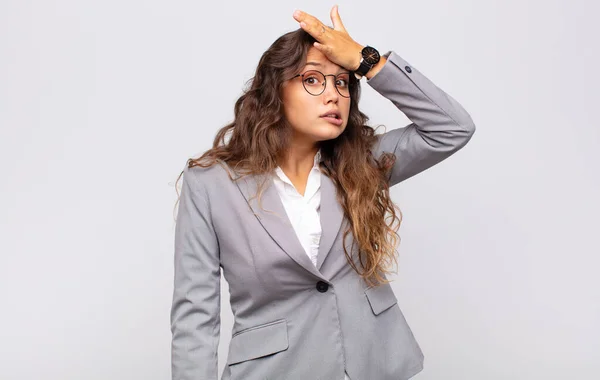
(208, 178)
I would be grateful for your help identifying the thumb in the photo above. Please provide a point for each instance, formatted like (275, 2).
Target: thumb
(336, 19)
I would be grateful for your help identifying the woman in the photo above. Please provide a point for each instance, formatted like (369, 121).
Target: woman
(292, 208)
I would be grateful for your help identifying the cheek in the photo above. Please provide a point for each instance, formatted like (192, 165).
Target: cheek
(297, 109)
(346, 108)
(293, 114)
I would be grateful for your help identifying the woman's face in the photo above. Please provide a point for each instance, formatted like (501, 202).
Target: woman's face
(304, 111)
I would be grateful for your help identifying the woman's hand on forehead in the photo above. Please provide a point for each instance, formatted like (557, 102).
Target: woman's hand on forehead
(334, 42)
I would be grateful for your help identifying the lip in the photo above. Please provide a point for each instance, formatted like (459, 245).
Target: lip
(336, 113)
(337, 122)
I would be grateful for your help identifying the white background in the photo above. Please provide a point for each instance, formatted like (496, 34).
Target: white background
(101, 104)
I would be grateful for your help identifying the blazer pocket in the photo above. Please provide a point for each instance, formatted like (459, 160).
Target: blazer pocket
(381, 298)
(258, 341)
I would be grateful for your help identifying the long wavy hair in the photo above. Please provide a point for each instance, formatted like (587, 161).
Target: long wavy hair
(259, 136)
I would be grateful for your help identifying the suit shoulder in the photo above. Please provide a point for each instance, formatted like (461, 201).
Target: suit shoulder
(210, 175)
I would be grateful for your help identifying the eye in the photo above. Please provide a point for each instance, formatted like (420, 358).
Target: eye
(342, 82)
(311, 80)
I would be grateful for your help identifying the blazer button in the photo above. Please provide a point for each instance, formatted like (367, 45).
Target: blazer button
(407, 68)
(322, 286)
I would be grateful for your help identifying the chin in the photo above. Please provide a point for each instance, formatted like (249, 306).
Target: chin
(330, 133)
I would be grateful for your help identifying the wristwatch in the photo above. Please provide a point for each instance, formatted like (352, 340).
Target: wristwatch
(370, 57)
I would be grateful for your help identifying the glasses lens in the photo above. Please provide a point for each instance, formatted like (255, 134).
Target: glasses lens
(342, 83)
(314, 82)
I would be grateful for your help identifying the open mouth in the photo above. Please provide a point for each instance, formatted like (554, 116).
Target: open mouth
(333, 115)
(333, 118)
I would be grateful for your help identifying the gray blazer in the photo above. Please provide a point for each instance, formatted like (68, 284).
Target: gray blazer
(295, 321)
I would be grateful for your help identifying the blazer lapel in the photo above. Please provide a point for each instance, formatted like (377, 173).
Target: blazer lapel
(273, 217)
(331, 215)
(277, 223)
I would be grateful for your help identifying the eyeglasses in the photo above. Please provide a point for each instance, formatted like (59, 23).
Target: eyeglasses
(315, 82)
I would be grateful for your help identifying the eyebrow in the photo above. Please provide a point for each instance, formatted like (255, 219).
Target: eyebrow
(342, 71)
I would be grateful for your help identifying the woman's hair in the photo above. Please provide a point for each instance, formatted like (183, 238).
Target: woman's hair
(260, 134)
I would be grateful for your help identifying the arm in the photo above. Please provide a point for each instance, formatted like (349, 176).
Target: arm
(196, 307)
(440, 125)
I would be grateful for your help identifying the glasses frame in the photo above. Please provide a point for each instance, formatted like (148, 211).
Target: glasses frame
(325, 82)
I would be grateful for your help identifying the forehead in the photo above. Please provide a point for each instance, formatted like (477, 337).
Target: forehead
(321, 61)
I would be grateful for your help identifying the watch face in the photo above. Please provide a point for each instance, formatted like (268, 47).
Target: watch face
(370, 55)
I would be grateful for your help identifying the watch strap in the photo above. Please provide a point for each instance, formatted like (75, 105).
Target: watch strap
(363, 68)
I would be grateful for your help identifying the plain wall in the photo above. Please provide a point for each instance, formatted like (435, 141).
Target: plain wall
(101, 104)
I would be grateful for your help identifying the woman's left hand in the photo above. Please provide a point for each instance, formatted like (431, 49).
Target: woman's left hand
(334, 42)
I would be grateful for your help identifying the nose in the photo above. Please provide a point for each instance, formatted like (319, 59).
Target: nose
(330, 93)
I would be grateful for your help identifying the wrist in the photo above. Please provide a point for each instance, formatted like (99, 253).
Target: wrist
(364, 66)
(376, 68)
(359, 57)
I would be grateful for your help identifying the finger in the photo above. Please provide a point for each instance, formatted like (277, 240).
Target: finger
(322, 48)
(310, 24)
(304, 17)
(317, 30)
(336, 19)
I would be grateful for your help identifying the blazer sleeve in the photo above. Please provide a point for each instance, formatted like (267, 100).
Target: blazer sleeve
(196, 307)
(440, 125)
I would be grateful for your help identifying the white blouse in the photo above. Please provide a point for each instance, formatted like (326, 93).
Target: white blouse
(303, 211)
